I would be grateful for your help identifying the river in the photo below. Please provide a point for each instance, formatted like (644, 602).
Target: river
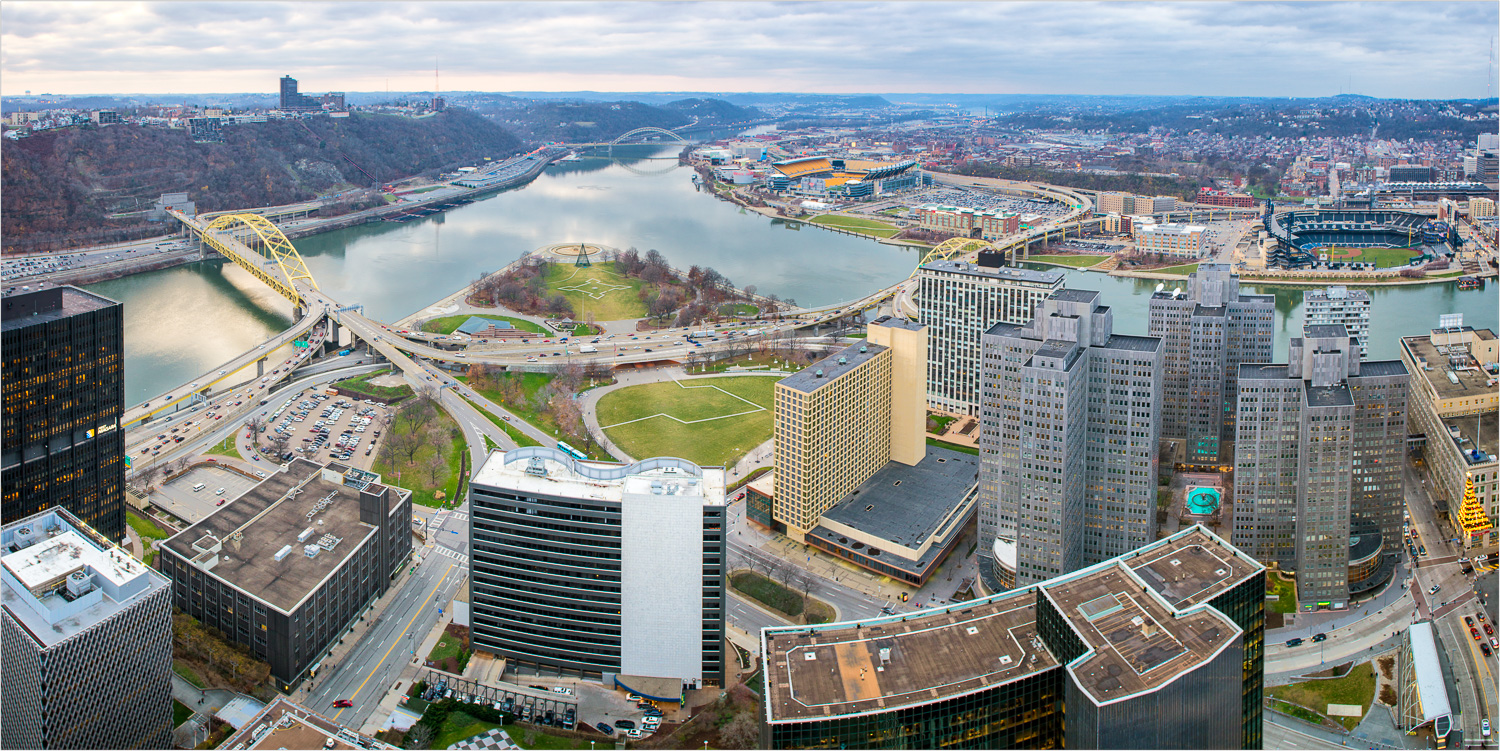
(184, 321)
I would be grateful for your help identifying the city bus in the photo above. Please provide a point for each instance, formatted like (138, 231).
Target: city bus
(570, 451)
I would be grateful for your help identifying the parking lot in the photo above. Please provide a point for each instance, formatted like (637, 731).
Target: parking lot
(179, 498)
(314, 422)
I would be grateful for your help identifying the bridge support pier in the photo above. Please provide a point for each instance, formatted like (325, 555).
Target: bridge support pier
(260, 367)
(333, 331)
(297, 312)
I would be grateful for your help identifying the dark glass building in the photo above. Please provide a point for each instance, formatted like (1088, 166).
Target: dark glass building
(1152, 649)
(63, 397)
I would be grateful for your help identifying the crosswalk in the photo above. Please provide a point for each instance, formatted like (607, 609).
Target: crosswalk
(451, 553)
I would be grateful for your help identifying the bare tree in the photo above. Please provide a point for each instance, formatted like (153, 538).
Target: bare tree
(278, 444)
(433, 466)
(803, 581)
(419, 736)
(741, 732)
(256, 426)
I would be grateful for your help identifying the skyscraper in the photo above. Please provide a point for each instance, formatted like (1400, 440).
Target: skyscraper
(959, 302)
(1318, 458)
(1340, 305)
(63, 397)
(87, 640)
(1068, 441)
(594, 567)
(1207, 332)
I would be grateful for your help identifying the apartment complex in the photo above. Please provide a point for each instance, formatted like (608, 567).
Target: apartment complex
(1212, 197)
(1185, 240)
(1339, 306)
(1453, 403)
(1068, 445)
(1318, 454)
(1207, 332)
(87, 641)
(854, 475)
(63, 397)
(1158, 648)
(1125, 204)
(959, 302)
(1479, 207)
(594, 568)
(966, 222)
(285, 569)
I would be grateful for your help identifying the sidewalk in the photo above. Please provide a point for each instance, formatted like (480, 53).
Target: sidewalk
(351, 638)
(414, 665)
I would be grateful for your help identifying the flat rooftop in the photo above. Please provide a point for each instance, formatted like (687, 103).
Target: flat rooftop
(286, 724)
(933, 655)
(21, 309)
(1137, 643)
(1133, 343)
(892, 322)
(1471, 378)
(831, 670)
(1003, 273)
(906, 504)
(253, 528)
(1330, 396)
(1475, 431)
(828, 369)
(1075, 295)
(60, 577)
(1326, 331)
(546, 471)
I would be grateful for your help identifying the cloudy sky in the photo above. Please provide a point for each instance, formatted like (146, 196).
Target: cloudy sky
(1383, 49)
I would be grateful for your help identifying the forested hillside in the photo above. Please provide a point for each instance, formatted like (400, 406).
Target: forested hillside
(63, 186)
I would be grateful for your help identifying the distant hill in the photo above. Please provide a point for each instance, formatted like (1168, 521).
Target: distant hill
(585, 122)
(714, 110)
(60, 186)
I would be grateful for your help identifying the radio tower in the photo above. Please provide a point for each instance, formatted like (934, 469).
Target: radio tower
(437, 99)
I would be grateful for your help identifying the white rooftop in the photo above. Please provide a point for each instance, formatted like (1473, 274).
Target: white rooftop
(1174, 229)
(547, 471)
(1429, 672)
(58, 577)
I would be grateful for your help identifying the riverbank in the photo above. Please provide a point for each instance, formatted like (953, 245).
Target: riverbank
(1292, 281)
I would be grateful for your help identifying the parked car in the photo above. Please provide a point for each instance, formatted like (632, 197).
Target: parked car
(605, 729)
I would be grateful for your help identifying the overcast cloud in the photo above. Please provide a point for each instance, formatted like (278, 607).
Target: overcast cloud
(1407, 50)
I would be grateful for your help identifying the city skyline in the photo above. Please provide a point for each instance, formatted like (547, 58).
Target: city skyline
(1392, 50)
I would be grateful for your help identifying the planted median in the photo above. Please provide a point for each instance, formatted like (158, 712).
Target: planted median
(791, 600)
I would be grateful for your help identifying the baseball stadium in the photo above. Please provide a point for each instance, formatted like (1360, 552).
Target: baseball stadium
(1302, 235)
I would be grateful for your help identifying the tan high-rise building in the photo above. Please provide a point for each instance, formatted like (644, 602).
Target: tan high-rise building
(843, 419)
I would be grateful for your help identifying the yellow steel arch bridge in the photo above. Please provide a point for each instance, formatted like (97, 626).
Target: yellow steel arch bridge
(952, 248)
(266, 247)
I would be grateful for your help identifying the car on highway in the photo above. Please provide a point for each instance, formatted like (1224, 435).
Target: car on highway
(1474, 632)
(1294, 642)
(220, 503)
(1468, 620)
(1319, 637)
(343, 703)
(1484, 727)
(1489, 630)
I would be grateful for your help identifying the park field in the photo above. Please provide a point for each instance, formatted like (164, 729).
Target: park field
(597, 290)
(855, 224)
(708, 421)
(1077, 262)
(448, 324)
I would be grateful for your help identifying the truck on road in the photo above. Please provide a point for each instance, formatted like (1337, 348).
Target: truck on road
(587, 348)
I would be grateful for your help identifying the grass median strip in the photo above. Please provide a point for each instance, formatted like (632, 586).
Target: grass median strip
(1356, 688)
(515, 433)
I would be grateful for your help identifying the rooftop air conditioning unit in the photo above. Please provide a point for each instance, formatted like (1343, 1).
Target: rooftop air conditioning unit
(282, 553)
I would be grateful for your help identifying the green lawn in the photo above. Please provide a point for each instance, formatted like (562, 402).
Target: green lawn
(854, 224)
(449, 324)
(190, 675)
(1384, 258)
(694, 434)
(767, 593)
(530, 384)
(597, 290)
(447, 646)
(458, 726)
(952, 446)
(147, 529)
(1358, 687)
(361, 385)
(936, 424)
(747, 360)
(409, 475)
(541, 740)
(225, 448)
(1077, 262)
(1184, 269)
(738, 309)
(180, 713)
(1286, 592)
(515, 433)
